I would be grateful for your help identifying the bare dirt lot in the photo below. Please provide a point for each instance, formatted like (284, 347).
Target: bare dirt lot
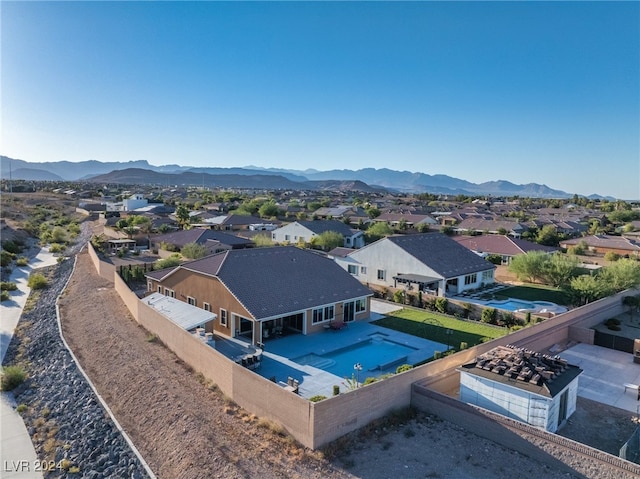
(185, 428)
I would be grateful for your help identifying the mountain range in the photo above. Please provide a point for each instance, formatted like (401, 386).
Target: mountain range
(366, 179)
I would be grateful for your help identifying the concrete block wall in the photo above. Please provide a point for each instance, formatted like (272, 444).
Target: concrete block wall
(104, 269)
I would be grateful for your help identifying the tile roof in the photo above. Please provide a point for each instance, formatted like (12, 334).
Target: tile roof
(200, 236)
(606, 241)
(524, 369)
(280, 280)
(441, 254)
(500, 244)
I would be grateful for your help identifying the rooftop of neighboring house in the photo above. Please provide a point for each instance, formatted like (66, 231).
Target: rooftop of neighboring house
(441, 253)
(200, 236)
(481, 224)
(606, 241)
(524, 369)
(276, 281)
(501, 244)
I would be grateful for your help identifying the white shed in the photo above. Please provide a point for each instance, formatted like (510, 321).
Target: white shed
(534, 388)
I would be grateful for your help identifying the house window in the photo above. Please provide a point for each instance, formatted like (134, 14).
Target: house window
(206, 306)
(381, 274)
(273, 236)
(323, 314)
(169, 292)
(159, 289)
(191, 301)
(287, 237)
(470, 279)
(223, 317)
(361, 305)
(487, 275)
(363, 269)
(352, 268)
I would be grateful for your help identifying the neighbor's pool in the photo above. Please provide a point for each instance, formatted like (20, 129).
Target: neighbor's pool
(512, 304)
(376, 355)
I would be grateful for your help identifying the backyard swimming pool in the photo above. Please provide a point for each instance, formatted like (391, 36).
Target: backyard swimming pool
(376, 355)
(512, 304)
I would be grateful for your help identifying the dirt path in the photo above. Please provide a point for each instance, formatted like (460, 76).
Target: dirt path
(185, 429)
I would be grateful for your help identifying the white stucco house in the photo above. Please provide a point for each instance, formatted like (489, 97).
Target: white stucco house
(304, 231)
(430, 262)
(533, 388)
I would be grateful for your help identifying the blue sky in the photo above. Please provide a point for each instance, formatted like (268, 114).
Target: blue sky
(543, 92)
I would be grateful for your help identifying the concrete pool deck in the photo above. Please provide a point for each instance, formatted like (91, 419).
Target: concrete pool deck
(277, 362)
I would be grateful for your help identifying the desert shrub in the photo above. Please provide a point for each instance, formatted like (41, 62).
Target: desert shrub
(37, 281)
(336, 389)
(12, 377)
(6, 258)
(56, 248)
(489, 315)
(22, 261)
(369, 380)
(8, 286)
(317, 397)
(12, 247)
(437, 354)
(441, 304)
(21, 408)
(173, 260)
(403, 367)
(463, 345)
(4, 296)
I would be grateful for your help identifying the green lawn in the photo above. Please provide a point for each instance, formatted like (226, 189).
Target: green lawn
(534, 292)
(434, 326)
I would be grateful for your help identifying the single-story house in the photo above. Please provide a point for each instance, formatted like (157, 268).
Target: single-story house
(501, 245)
(429, 262)
(534, 388)
(411, 220)
(261, 292)
(602, 244)
(303, 231)
(214, 241)
(491, 226)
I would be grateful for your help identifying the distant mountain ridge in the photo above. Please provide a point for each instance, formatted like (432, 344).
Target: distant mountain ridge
(366, 179)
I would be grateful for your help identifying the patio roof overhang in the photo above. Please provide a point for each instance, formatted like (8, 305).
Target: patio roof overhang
(416, 279)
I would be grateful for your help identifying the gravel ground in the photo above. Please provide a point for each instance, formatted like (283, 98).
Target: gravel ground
(185, 428)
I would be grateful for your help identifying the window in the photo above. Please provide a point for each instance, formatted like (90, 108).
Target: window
(169, 292)
(363, 269)
(470, 279)
(206, 306)
(361, 305)
(323, 314)
(487, 275)
(223, 317)
(191, 301)
(287, 237)
(159, 289)
(352, 268)
(381, 274)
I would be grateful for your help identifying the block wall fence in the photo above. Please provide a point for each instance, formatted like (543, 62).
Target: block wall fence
(317, 424)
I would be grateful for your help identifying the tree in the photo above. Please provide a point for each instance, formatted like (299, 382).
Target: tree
(621, 275)
(530, 266)
(548, 236)
(373, 212)
(329, 240)
(585, 288)
(182, 216)
(268, 210)
(193, 251)
(379, 229)
(559, 269)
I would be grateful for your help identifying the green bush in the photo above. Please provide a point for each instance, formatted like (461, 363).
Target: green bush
(8, 286)
(21, 408)
(463, 345)
(4, 296)
(37, 281)
(12, 247)
(12, 377)
(437, 354)
(56, 248)
(6, 258)
(369, 380)
(317, 397)
(22, 261)
(403, 367)
(441, 305)
(336, 389)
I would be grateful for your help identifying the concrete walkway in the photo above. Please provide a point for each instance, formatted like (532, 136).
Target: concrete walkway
(606, 372)
(18, 456)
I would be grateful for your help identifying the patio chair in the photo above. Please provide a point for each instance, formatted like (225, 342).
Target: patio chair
(295, 385)
(250, 362)
(256, 361)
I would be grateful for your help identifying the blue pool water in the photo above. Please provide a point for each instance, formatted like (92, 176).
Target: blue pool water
(376, 356)
(512, 304)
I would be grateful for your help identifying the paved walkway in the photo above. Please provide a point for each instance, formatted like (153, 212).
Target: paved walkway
(19, 459)
(606, 371)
